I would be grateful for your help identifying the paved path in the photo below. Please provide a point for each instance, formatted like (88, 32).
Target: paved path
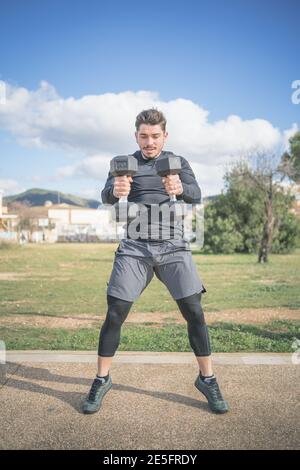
(153, 403)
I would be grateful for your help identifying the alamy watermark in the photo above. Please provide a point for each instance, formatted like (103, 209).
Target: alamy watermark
(2, 92)
(296, 94)
(2, 352)
(175, 220)
(296, 349)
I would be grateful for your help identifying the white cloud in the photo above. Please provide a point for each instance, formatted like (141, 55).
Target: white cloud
(209, 178)
(9, 186)
(90, 193)
(288, 133)
(101, 126)
(95, 166)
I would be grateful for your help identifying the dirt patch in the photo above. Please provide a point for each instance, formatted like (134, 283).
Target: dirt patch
(253, 316)
(256, 316)
(32, 276)
(235, 316)
(9, 276)
(49, 321)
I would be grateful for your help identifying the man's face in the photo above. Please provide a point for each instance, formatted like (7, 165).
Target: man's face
(151, 139)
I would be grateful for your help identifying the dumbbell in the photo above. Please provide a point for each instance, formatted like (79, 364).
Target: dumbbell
(171, 166)
(168, 166)
(120, 166)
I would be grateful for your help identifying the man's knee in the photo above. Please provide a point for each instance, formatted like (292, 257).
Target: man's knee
(117, 312)
(109, 337)
(191, 309)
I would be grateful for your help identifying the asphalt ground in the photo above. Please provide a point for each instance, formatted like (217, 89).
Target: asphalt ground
(153, 403)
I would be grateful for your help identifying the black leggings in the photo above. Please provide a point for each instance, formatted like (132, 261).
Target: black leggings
(118, 310)
(191, 310)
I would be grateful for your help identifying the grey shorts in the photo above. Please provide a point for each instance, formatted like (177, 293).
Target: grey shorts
(136, 262)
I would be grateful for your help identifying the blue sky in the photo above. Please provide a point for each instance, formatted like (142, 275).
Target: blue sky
(229, 57)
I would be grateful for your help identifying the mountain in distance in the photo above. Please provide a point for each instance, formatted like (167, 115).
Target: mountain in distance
(38, 197)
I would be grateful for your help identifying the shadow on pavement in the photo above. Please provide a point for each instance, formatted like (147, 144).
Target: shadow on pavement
(74, 398)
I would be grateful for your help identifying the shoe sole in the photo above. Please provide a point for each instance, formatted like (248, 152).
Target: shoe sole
(88, 412)
(209, 402)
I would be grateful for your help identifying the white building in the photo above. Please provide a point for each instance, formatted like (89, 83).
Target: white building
(72, 223)
(8, 223)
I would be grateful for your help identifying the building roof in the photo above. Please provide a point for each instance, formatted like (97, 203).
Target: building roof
(64, 206)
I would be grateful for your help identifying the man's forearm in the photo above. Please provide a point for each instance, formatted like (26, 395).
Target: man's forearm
(107, 195)
(191, 193)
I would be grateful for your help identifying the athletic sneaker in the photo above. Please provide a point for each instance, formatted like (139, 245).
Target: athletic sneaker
(213, 394)
(93, 400)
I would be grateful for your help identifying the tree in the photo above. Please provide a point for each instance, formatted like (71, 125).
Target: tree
(243, 200)
(287, 235)
(220, 223)
(290, 161)
(261, 172)
(253, 216)
(26, 216)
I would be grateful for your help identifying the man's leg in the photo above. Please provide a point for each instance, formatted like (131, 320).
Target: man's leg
(109, 340)
(206, 382)
(191, 310)
(205, 365)
(110, 333)
(179, 273)
(104, 365)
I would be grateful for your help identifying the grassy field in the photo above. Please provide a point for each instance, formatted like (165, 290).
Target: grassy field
(70, 279)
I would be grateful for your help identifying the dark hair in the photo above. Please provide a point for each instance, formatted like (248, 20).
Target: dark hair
(151, 116)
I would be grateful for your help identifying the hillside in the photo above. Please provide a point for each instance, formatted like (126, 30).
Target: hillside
(38, 197)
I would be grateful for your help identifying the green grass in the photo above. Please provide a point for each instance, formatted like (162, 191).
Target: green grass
(71, 279)
(275, 336)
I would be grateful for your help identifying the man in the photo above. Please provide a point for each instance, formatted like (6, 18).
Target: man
(136, 261)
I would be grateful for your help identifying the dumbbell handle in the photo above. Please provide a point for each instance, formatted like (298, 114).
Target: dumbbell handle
(123, 199)
(172, 197)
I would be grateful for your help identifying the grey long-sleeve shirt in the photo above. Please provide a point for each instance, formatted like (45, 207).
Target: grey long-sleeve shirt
(147, 187)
